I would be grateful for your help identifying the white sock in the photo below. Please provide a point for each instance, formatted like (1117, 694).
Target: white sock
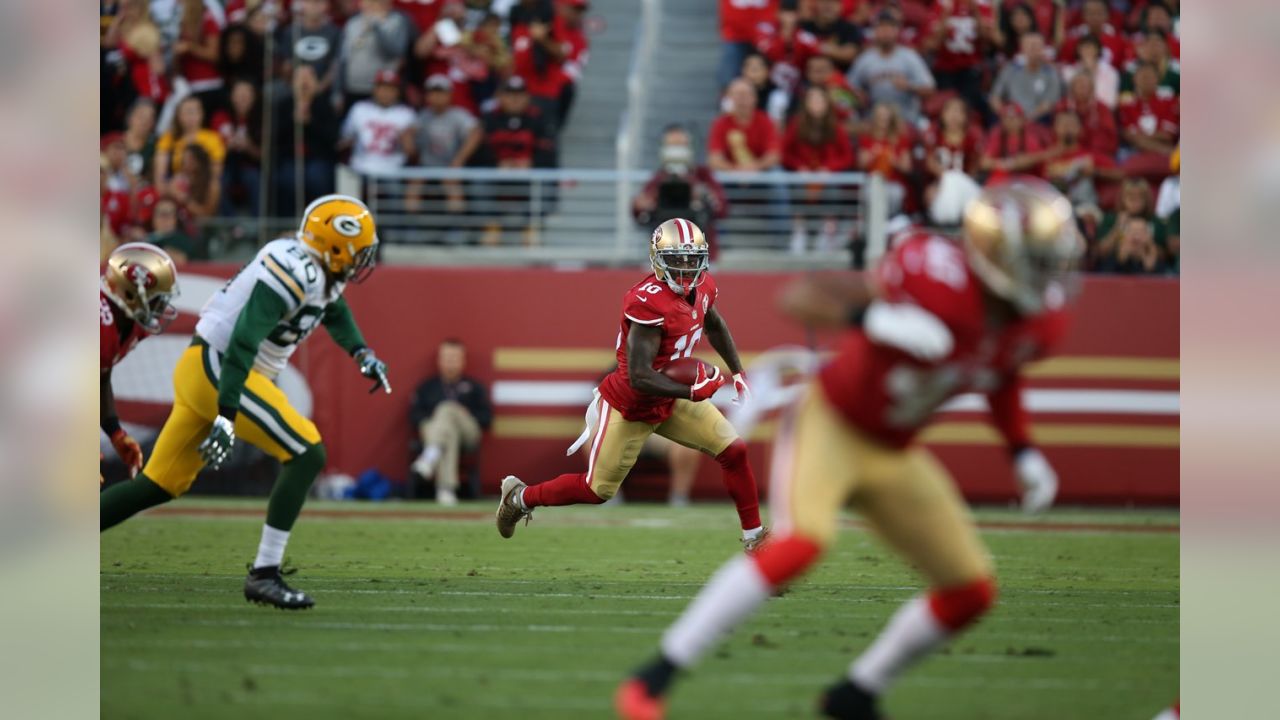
(519, 498)
(730, 597)
(911, 634)
(753, 533)
(430, 455)
(271, 549)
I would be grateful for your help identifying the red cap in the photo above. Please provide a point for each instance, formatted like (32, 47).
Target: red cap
(387, 77)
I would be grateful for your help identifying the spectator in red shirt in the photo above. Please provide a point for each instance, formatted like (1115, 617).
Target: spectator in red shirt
(540, 51)
(952, 146)
(569, 29)
(194, 185)
(1148, 122)
(815, 142)
(1157, 16)
(743, 138)
(1012, 147)
(820, 71)
(1071, 166)
(885, 149)
(788, 48)
(957, 32)
(1153, 47)
(1098, 126)
(1097, 22)
(196, 52)
(739, 22)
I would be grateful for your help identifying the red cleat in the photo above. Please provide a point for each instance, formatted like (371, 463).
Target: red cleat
(633, 702)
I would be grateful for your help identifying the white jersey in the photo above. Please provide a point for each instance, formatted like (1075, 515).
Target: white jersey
(289, 270)
(376, 131)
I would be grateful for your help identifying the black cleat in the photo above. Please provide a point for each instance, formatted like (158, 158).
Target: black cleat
(266, 586)
(846, 701)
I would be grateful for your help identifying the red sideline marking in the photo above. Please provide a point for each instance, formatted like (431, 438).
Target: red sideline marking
(483, 515)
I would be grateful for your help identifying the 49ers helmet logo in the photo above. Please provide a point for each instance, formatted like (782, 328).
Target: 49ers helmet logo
(141, 276)
(347, 226)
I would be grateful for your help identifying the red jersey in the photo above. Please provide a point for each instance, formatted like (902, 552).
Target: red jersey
(119, 333)
(423, 13)
(739, 18)
(836, 154)
(546, 77)
(960, 48)
(651, 302)
(962, 156)
(879, 155)
(1097, 125)
(1149, 116)
(201, 73)
(890, 395)
(759, 136)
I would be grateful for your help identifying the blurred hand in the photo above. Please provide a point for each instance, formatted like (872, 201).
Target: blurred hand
(743, 390)
(128, 450)
(1037, 479)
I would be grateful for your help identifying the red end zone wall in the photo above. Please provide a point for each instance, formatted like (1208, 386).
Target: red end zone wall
(1108, 405)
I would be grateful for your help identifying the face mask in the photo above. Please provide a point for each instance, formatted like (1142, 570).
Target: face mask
(676, 158)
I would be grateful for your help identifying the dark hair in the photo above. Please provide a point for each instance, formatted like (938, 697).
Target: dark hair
(202, 177)
(1011, 40)
(175, 130)
(457, 342)
(1090, 39)
(753, 54)
(253, 123)
(812, 130)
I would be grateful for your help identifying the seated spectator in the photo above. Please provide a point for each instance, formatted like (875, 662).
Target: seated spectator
(885, 149)
(1156, 16)
(951, 146)
(815, 142)
(1105, 79)
(1153, 47)
(195, 54)
(240, 55)
(787, 49)
(837, 38)
(743, 137)
(755, 70)
(1135, 253)
(958, 31)
(242, 134)
(738, 29)
(142, 53)
(681, 188)
(115, 157)
(374, 128)
(1071, 167)
(437, 138)
(187, 129)
(820, 71)
(450, 411)
(1148, 122)
(1135, 201)
(890, 72)
(317, 44)
(166, 230)
(1012, 147)
(1030, 81)
(539, 50)
(139, 137)
(312, 113)
(1098, 125)
(1096, 16)
(195, 186)
(373, 40)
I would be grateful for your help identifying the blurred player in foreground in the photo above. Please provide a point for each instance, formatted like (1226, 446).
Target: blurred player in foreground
(138, 286)
(663, 319)
(224, 382)
(938, 319)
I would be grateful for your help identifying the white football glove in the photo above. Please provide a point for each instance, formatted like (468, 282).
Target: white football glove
(217, 447)
(744, 391)
(909, 328)
(1037, 479)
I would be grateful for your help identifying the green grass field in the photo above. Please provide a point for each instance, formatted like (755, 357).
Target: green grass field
(423, 614)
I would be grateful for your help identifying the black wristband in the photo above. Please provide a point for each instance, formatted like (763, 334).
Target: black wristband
(110, 425)
(856, 315)
(228, 412)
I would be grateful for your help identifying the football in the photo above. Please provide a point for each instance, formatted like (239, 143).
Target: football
(685, 370)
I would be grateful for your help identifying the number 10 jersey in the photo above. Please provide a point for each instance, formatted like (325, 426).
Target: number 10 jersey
(290, 271)
(651, 302)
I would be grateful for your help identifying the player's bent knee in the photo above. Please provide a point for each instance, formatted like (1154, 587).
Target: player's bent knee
(782, 559)
(735, 455)
(312, 461)
(958, 606)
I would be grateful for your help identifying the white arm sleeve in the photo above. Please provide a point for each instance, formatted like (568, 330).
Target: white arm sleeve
(908, 328)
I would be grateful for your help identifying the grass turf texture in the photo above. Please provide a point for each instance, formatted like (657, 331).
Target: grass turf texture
(437, 617)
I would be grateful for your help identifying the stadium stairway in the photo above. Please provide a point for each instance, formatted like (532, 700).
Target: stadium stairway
(683, 89)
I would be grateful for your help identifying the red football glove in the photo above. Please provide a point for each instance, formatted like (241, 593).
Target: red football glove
(704, 386)
(128, 450)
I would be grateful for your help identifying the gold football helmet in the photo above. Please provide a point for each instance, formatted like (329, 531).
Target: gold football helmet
(340, 230)
(679, 254)
(141, 279)
(1023, 244)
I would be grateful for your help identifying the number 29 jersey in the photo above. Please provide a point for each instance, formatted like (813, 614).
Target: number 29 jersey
(289, 270)
(651, 302)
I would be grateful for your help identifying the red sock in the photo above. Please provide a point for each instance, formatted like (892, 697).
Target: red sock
(956, 607)
(783, 558)
(741, 483)
(571, 489)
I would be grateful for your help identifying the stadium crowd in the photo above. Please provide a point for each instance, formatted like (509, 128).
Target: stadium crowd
(221, 108)
(936, 94)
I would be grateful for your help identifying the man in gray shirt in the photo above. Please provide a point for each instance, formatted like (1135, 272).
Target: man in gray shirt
(890, 72)
(1031, 82)
(310, 40)
(437, 138)
(375, 39)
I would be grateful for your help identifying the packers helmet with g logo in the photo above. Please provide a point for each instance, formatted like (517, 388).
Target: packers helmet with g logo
(1023, 244)
(141, 279)
(340, 230)
(679, 254)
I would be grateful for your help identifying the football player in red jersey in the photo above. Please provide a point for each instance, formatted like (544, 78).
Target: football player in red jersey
(938, 319)
(664, 316)
(134, 302)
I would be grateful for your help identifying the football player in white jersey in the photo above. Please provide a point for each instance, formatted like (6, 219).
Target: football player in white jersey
(224, 383)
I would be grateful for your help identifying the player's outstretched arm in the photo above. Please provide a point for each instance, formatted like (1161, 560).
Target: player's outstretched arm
(1036, 477)
(643, 342)
(826, 301)
(126, 447)
(341, 325)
